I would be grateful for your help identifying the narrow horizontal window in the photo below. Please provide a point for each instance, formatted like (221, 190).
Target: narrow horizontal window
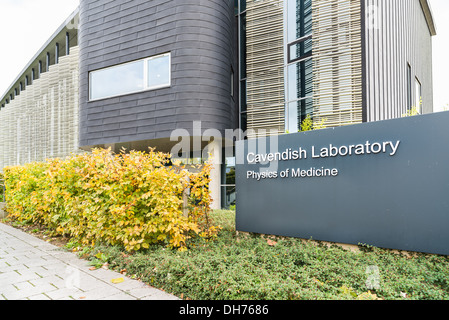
(159, 71)
(146, 74)
(118, 80)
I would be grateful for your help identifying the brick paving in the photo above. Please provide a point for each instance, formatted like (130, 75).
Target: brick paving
(32, 269)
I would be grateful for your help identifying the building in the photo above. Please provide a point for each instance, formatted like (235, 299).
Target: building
(131, 73)
(343, 61)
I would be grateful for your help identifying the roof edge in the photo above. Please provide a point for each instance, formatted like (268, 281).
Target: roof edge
(47, 43)
(429, 16)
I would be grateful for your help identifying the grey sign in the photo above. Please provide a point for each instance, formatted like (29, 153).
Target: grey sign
(384, 184)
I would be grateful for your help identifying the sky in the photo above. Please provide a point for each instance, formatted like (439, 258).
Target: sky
(27, 24)
(440, 9)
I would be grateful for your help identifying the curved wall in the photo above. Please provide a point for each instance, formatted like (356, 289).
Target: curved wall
(200, 36)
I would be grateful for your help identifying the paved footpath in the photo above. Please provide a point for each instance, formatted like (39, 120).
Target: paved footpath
(32, 269)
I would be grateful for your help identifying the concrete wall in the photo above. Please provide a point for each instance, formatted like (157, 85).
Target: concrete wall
(200, 36)
(396, 33)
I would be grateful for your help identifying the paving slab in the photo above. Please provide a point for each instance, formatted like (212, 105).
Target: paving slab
(32, 269)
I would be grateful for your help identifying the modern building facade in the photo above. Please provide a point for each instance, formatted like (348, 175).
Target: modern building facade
(40, 111)
(344, 62)
(131, 73)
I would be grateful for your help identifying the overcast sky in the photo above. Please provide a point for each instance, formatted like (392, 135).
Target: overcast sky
(27, 24)
(440, 10)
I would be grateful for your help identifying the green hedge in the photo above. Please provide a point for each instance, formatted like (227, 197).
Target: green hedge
(132, 199)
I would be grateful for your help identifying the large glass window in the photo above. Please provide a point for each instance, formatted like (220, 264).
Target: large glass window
(243, 68)
(299, 80)
(297, 111)
(118, 80)
(299, 76)
(132, 77)
(228, 191)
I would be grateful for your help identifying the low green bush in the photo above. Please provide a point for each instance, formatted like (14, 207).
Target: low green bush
(256, 267)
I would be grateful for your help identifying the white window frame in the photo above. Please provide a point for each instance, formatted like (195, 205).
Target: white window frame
(145, 73)
(146, 87)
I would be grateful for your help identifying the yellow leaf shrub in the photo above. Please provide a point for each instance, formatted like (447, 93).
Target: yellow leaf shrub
(132, 199)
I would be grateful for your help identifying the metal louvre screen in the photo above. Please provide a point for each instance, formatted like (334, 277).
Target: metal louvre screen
(265, 65)
(42, 122)
(337, 59)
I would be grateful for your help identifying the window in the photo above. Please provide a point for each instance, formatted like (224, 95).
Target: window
(409, 87)
(146, 74)
(118, 80)
(418, 98)
(243, 67)
(300, 49)
(299, 70)
(232, 82)
(299, 30)
(228, 191)
(159, 72)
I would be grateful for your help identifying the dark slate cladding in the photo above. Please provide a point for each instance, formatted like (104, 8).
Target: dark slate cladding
(200, 34)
